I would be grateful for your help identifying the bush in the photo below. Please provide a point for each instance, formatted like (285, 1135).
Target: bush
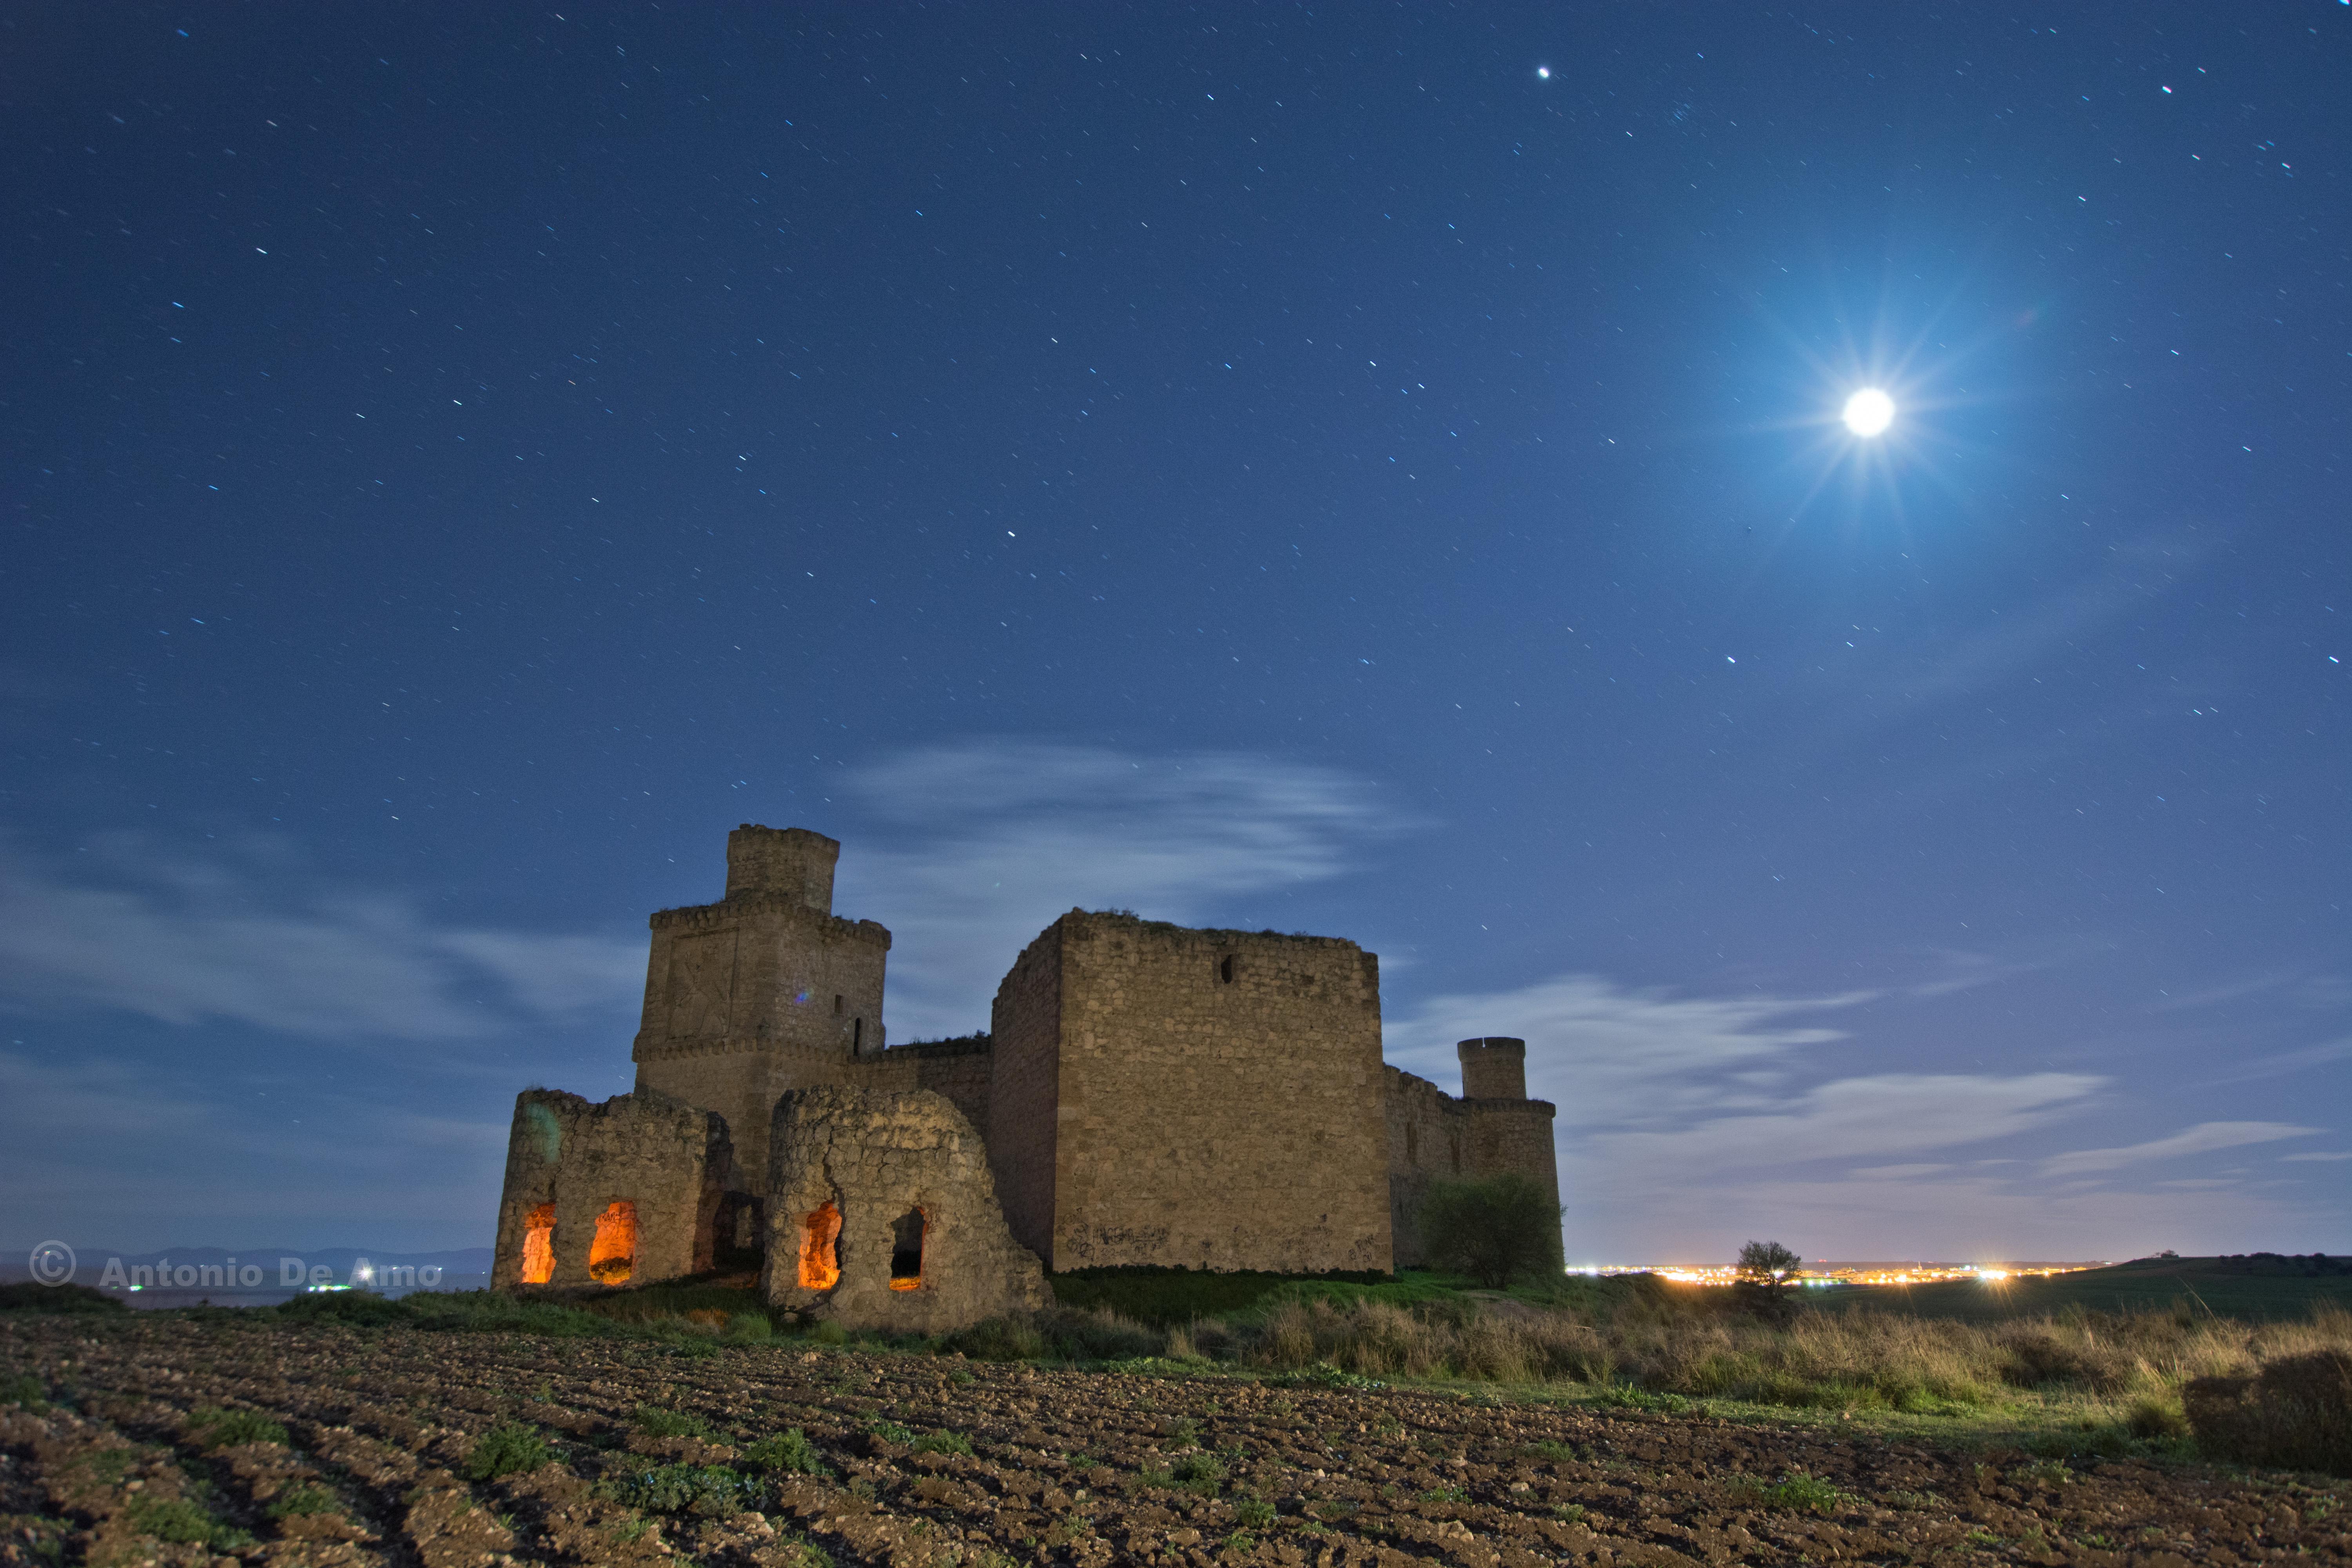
(509, 1448)
(711, 1490)
(656, 1422)
(182, 1522)
(943, 1443)
(1494, 1229)
(24, 1389)
(297, 1501)
(788, 1452)
(2296, 1414)
(213, 1427)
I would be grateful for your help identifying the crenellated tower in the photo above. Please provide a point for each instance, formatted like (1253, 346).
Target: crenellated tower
(765, 991)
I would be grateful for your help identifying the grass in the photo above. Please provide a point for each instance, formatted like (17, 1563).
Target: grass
(182, 1522)
(297, 1501)
(787, 1452)
(213, 1427)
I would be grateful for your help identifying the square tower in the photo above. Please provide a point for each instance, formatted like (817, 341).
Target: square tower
(1197, 1099)
(765, 991)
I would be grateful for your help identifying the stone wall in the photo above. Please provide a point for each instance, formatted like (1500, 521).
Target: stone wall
(960, 1070)
(1196, 1099)
(876, 1171)
(1428, 1140)
(669, 1162)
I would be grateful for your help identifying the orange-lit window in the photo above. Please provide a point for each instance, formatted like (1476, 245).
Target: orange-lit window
(613, 1256)
(539, 1245)
(906, 1250)
(820, 1253)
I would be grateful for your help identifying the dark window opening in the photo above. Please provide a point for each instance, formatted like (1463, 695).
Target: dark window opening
(1225, 969)
(906, 1250)
(1412, 1145)
(856, 1034)
(836, 1006)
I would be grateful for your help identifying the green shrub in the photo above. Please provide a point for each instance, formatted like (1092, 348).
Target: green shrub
(710, 1491)
(890, 1431)
(943, 1443)
(789, 1452)
(751, 1328)
(1800, 1493)
(2153, 1417)
(1254, 1512)
(1200, 1473)
(213, 1427)
(353, 1309)
(657, 1421)
(181, 1522)
(297, 1501)
(26, 1390)
(1494, 1229)
(509, 1448)
(2295, 1414)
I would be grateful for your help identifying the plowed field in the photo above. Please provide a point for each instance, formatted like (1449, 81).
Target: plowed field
(159, 1448)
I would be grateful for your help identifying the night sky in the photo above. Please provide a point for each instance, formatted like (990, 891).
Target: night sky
(1373, 470)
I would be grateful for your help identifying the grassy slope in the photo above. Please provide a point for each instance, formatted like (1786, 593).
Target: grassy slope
(2221, 1286)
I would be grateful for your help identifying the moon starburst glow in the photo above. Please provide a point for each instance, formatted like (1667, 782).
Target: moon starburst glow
(1869, 412)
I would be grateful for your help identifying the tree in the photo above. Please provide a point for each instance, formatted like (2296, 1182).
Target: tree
(1766, 1271)
(1494, 1228)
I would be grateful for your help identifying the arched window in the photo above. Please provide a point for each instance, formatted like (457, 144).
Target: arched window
(539, 1245)
(906, 1250)
(613, 1256)
(821, 1249)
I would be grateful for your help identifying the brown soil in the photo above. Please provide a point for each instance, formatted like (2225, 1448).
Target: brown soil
(1078, 1468)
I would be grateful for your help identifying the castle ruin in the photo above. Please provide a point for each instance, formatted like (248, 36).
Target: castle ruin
(1147, 1094)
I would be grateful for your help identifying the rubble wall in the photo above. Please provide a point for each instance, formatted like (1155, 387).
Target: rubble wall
(878, 1157)
(672, 1162)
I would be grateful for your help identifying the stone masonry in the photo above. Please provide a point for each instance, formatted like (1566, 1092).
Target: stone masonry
(1204, 1099)
(1148, 1094)
(882, 1214)
(669, 1166)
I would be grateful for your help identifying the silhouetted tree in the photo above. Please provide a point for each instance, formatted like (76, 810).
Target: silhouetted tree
(1767, 1270)
(1495, 1229)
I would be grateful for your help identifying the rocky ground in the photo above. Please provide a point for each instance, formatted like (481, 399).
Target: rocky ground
(160, 1444)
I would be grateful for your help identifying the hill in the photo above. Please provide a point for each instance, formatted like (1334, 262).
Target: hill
(2258, 1287)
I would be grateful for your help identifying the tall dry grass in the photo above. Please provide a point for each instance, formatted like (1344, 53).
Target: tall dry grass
(2135, 1364)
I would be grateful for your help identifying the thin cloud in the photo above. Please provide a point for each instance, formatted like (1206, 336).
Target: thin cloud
(2204, 1138)
(2315, 1159)
(185, 941)
(978, 847)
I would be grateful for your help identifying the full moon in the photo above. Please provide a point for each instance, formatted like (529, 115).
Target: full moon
(1869, 412)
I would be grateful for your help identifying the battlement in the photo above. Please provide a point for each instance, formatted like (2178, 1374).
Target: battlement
(697, 916)
(1494, 1067)
(791, 863)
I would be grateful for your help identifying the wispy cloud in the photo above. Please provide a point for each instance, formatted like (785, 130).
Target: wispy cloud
(2204, 1138)
(981, 846)
(2329, 1157)
(243, 938)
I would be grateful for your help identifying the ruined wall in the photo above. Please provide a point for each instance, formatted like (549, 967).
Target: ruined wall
(1492, 1129)
(1025, 1090)
(959, 1070)
(909, 1235)
(672, 1162)
(1428, 1132)
(762, 992)
(1216, 1098)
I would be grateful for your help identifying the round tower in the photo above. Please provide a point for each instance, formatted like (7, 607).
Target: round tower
(1494, 1067)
